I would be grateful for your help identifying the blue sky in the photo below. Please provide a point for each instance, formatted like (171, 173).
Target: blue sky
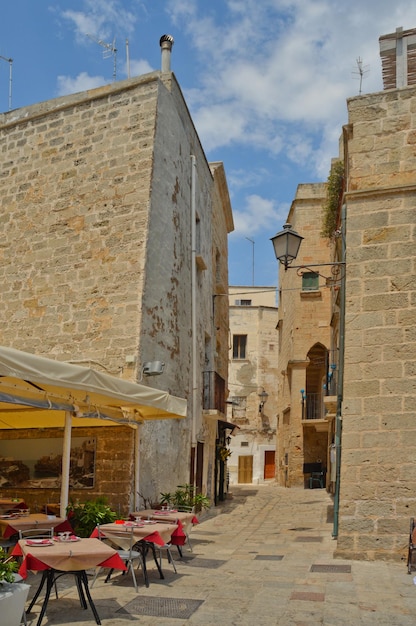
(266, 82)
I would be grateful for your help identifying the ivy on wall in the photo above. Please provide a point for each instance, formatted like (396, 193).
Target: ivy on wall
(335, 186)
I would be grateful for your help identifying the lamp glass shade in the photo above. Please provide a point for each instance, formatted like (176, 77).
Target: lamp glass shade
(286, 244)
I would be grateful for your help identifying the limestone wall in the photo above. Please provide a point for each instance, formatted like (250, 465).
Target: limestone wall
(379, 411)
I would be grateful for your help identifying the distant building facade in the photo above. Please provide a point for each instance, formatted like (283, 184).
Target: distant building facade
(113, 243)
(252, 399)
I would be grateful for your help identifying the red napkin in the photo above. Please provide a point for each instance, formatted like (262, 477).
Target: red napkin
(33, 542)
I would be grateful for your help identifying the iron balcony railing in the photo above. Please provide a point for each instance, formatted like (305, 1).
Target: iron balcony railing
(213, 392)
(313, 406)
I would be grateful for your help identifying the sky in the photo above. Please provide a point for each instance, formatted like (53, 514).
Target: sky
(266, 83)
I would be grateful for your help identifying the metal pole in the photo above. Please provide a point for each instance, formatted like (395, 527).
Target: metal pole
(252, 242)
(340, 385)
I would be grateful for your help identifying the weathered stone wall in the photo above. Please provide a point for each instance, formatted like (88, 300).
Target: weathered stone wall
(304, 320)
(95, 249)
(377, 494)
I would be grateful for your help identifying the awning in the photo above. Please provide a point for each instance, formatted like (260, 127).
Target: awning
(36, 392)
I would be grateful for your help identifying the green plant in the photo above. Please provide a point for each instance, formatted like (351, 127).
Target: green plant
(8, 567)
(85, 516)
(335, 186)
(185, 495)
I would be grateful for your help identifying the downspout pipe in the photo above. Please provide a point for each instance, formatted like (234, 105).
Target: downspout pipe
(193, 302)
(340, 386)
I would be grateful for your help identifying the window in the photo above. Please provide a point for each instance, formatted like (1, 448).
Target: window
(242, 302)
(239, 346)
(310, 281)
(239, 404)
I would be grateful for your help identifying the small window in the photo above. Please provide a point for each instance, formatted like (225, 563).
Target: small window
(239, 404)
(239, 346)
(242, 302)
(310, 281)
(244, 444)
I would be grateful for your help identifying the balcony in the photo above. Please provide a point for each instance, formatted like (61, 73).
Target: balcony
(213, 393)
(313, 411)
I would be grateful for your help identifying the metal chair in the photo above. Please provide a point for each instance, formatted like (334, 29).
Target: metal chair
(123, 541)
(316, 477)
(187, 509)
(36, 533)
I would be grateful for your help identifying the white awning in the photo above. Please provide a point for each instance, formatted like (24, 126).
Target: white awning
(36, 392)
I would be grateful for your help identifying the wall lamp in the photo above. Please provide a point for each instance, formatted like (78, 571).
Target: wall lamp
(286, 244)
(263, 395)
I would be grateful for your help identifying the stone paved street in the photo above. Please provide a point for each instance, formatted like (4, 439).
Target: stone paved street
(265, 557)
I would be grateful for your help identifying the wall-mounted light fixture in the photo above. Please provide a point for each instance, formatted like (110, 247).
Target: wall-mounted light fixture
(286, 244)
(153, 368)
(263, 395)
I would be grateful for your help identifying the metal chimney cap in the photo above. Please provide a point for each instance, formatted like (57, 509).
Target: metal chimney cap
(166, 38)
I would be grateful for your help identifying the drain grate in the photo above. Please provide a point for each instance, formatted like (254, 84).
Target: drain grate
(268, 557)
(309, 539)
(332, 569)
(300, 528)
(197, 562)
(181, 608)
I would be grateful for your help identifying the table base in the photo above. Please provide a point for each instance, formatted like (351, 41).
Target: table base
(50, 577)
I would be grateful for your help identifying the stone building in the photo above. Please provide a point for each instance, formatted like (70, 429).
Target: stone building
(113, 242)
(305, 430)
(374, 335)
(252, 378)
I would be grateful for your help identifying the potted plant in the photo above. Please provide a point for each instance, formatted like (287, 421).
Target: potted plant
(185, 496)
(13, 594)
(85, 516)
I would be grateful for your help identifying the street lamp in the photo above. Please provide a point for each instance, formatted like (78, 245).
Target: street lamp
(263, 395)
(286, 244)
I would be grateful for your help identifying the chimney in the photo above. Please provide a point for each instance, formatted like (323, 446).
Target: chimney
(166, 43)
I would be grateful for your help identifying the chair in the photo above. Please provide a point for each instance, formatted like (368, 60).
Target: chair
(187, 509)
(124, 542)
(37, 533)
(412, 546)
(316, 477)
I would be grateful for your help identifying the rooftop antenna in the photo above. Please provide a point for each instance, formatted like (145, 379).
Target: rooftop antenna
(127, 58)
(10, 62)
(252, 260)
(109, 50)
(362, 69)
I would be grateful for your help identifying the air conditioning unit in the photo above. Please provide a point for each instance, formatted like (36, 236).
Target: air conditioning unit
(153, 368)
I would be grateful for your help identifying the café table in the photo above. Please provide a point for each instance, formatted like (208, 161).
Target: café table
(57, 558)
(9, 504)
(11, 524)
(185, 521)
(148, 534)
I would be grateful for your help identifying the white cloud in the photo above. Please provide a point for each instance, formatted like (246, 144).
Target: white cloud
(102, 19)
(258, 214)
(271, 64)
(82, 82)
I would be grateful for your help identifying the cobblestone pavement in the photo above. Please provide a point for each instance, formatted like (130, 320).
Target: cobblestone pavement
(264, 557)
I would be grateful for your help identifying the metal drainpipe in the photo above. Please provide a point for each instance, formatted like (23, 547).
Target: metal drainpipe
(193, 302)
(340, 386)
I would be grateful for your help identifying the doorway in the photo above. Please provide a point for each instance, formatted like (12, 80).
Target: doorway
(245, 469)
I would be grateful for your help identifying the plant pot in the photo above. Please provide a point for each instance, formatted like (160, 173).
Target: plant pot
(13, 598)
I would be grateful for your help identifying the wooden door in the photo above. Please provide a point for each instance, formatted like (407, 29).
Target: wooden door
(245, 469)
(269, 464)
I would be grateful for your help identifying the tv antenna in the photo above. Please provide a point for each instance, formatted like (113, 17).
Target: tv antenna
(10, 62)
(252, 258)
(109, 50)
(361, 70)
